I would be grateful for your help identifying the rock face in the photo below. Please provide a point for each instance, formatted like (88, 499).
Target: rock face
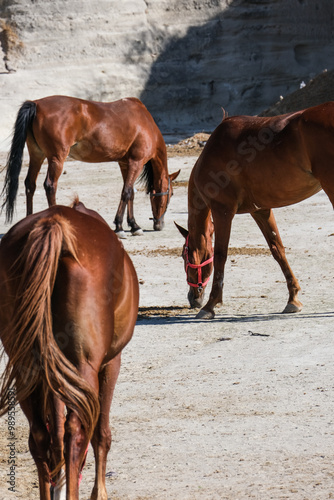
(185, 59)
(317, 91)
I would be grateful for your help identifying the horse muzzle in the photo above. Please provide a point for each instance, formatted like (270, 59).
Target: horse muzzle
(196, 297)
(158, 224)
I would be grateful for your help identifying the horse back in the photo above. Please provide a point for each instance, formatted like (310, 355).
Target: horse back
(100, 292)
(95, 131)
(265, 162)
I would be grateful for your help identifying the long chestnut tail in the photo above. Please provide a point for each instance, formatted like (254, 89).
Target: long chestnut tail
(34, 358)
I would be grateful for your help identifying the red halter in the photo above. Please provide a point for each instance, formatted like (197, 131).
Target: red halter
(199, 283)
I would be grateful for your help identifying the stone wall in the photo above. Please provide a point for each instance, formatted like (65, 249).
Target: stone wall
(185, 59)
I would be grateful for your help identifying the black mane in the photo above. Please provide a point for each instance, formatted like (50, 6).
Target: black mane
(146, 177)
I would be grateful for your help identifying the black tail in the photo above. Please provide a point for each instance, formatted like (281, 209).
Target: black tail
(146, 177)
(25, 116)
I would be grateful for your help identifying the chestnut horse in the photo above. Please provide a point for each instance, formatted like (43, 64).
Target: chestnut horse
(68, 306)
(124, 131)
(252, 165)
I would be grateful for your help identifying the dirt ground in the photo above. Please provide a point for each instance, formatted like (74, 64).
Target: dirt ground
(240, 407)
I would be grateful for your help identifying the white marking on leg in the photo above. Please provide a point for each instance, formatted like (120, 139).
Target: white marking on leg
(59, 491)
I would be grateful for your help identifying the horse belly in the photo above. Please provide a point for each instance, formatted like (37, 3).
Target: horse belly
(92, 151)
(281, 195)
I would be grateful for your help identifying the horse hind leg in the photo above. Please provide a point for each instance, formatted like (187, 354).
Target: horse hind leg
(266, 221)
(39, 443)
(36, 160)
(55, 168)
(101, 440)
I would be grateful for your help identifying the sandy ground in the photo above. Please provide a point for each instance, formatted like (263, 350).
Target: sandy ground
(240, 407)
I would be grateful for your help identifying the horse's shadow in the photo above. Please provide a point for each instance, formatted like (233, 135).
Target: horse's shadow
(168, 315)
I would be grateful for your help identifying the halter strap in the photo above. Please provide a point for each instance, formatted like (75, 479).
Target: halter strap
(161, 194)
(199, 283)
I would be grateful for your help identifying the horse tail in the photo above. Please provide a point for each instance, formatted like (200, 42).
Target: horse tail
(25, 116)
(146, 177)
(34, 357)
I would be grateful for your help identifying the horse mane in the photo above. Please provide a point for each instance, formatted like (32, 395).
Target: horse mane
(34, 358)
(146, 177)
(75, 201)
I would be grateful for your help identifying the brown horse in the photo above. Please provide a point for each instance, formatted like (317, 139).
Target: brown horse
(251, 165)
(68, 306)
(124, 131)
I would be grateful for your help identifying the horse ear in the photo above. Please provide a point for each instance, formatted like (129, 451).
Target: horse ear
(174, 175)
(212, 227)
(183, 231)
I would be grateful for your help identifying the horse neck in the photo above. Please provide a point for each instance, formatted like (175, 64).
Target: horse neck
(160, 173)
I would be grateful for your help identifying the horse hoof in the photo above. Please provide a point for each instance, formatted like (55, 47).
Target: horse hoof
(137, 232)
(293, 308)
(121, 235)
(203, 314)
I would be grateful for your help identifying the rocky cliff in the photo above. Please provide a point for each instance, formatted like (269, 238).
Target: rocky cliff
(316, 91)
(185, 59)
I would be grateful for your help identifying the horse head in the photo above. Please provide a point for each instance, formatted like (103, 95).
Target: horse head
(198, 264)
(160, 202)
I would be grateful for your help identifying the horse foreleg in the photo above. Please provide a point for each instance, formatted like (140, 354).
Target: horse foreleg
(120, 216)
(129, 172)
(55, 168)
(76, 442)
(266, 221)
(101, 441)
(39, 443)
(135, 229)
(222, 219)
(56, 430)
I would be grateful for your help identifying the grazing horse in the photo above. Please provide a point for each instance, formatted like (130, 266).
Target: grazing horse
(124, 131)
(252, 165)
(68, 306)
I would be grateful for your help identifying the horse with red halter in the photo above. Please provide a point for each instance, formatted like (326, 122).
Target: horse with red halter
(68, 306)
(252, 165)
(58, 127)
